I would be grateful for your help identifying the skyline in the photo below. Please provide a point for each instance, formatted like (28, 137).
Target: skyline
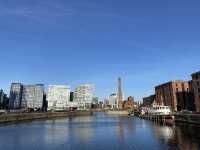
(67, 42)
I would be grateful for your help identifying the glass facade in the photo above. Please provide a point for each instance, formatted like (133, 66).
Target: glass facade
(84, 95)
(15, 96)
(58, 97)
(32, 96)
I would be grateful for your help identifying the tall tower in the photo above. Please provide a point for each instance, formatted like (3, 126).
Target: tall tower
(119, 94)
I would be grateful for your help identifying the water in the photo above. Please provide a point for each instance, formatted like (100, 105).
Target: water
(98, 132)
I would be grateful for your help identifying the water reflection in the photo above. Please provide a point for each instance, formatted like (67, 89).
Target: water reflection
(98, 132)
(188, 137)
(81, 128)
(183, 137)
(55, 132)
(124, 125)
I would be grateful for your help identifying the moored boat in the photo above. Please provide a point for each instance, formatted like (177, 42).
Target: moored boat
(117, 112)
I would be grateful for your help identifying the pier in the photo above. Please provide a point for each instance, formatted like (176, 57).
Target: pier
(164, 119)
(188, 118)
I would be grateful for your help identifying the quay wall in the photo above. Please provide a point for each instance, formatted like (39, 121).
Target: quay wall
(33, 116)
(188, 118)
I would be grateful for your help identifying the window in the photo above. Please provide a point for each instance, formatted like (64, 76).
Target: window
(199, 90)
(196, 77)
(197, 83)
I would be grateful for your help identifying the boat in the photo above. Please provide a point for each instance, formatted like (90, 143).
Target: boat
(117, 112)
(159, 110)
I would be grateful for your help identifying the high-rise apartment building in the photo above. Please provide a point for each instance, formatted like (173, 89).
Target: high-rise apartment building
(176, 94)
(196, 89)
(32, 96)
(15, 96)
(83, 95)
(58, 97)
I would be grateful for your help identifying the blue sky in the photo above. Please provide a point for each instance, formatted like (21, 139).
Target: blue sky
(146, 42)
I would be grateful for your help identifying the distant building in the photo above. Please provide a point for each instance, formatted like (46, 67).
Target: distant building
(3, 100)
(58, 97)
(100, 105)
(71, 96)
(112, 101)
(129, 104)
(84, 95)
(106, 103)
(176, 94)
(32, 96)
(15, 96)
(148, 101)
(45, 103)
(95, 100)
(196, 88)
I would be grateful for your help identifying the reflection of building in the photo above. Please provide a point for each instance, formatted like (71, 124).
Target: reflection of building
(165, 133)
(185, 137)
(84, 95)
(112, 101)
(32, 96)
(15, 96)
(148, 101)
(196, 88)
(85, 133)
(175, 94)
(58, 97)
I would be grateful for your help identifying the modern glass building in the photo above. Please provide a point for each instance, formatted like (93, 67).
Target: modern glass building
(84, 95)
(15, 96)
(58, 97)
(32, 96)
(1, 98)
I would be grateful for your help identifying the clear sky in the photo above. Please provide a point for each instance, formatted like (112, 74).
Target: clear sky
(146, 42)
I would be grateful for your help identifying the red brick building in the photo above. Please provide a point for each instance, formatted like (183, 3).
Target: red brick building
(129, 104)
(148, 101)
(176, 94)
(196, 88)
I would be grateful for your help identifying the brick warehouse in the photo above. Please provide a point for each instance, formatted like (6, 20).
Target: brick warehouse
(196, 88)
(176, 94)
